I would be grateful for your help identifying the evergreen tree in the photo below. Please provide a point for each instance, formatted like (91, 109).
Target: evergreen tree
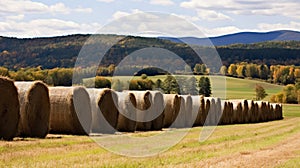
(204, 86)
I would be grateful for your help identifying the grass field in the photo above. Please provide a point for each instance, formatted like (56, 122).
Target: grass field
(235, 88)
(270, 144)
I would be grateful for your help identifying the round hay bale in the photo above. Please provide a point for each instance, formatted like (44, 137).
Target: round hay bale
(237, 111)
(127, 112)
(245, 111)
(70, 111)
(158, 110)
(104, 110)
(9, 109)
(172, 107)
(189, 117)
(262, 107)
(225, 111)
(197, 110)
(34, 109)
(143, 105)
(205, 118)
(211, 111)
(179, 121)
(251, 111)
(219, 111)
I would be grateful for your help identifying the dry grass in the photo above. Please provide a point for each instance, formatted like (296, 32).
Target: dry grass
(227, 142)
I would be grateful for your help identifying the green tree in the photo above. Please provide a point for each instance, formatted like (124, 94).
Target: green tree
(158, 84)
(290, 94)
(170, 85)
(117, 85)
(260, 92)
(204, 86)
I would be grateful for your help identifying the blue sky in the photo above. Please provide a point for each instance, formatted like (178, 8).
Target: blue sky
(36, 18)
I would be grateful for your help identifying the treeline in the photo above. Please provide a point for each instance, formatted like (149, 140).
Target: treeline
(278, 74)
(64, 77)
(63, 51)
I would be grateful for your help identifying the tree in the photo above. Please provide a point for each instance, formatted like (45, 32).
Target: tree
(170, 85)
(241, 69)
(204, 86)
(232, 70)
(200, 69)
(223, 70)
(260, 92)
(290, 94)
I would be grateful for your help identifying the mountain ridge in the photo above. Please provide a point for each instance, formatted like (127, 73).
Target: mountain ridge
(239, 38)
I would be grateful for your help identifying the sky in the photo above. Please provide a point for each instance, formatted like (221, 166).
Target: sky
(44, 18)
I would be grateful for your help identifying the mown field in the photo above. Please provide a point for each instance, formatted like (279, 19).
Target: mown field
(270, 144)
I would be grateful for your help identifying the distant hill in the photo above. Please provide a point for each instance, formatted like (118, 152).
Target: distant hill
(240, 38)
(62, 51)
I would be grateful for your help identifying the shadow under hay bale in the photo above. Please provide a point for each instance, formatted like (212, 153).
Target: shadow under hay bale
(171, 110)
(70, 111)
(9, 109)
(34, 109)
(127, 112)
(104, 110)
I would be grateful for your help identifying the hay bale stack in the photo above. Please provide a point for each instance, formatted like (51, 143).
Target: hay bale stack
(9, 109)
(143, 109)
(172, 107)
(188, 105)
(205, 118)
(127, 112)
(198, 107)
(158, 110)
(34, 109)
(70, 111)
(278, 112)
(104, 110)
(246, 112)
(219, 111)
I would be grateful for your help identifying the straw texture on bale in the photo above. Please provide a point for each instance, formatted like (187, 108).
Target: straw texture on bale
(143, 109)
(237, 111)
(213, 110)
(189, 118)
(70, 111)
(9, 109)
(158, 108)
(197, 109)
(179, 121)
(104, 110)
(225, 119)
(127, 112)
(34, 109)
(172, 107)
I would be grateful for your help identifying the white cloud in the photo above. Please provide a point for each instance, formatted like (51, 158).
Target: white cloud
(17, 7)
(14, 17)
(45, 27)
(211, 15)
(162, 2)
(120, 14)
(287, 8)
(106, 1)
(279, 26)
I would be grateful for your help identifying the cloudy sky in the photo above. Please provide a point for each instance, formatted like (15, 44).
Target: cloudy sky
(36, 18)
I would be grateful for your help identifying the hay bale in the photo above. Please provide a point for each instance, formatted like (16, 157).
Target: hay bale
(237, 111)
(172, 107)
(9, 109)
(198, 107)
(104, 110)
(225, 112)
(144, 110)
(189, 116)
(70, 111)
(211, 110)
(251, 112)
(127, 112)
(158, 110)
(179, 121)
(262, 108)
(34, 109)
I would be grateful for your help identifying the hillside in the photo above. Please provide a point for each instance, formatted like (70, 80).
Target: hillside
(241, 38)
(63, 51)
